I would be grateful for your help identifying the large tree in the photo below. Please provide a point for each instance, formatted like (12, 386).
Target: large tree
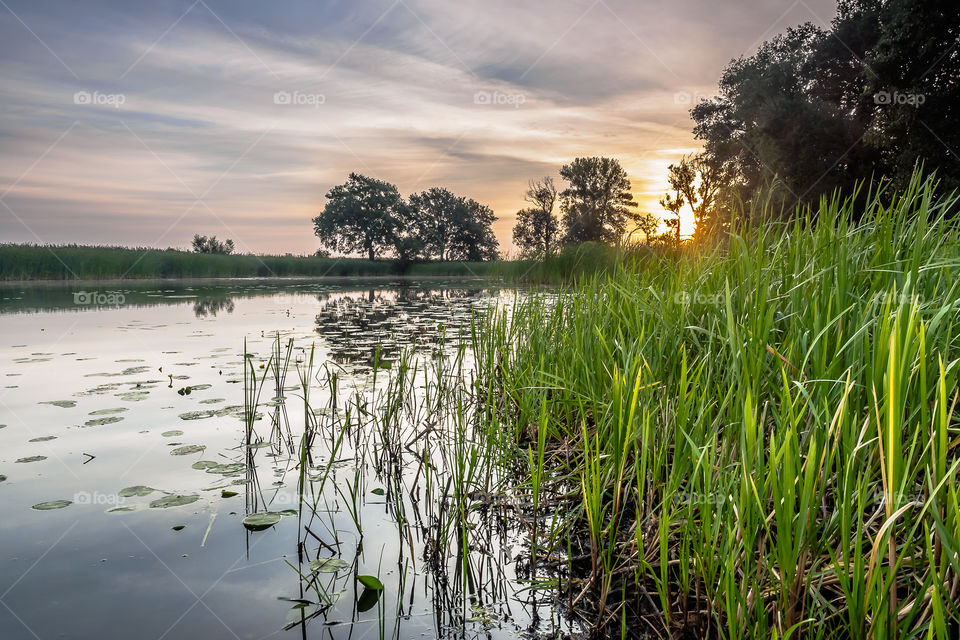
(596, 203)
(536, 229)
(814, 110)
(450, 227)
(361, 215)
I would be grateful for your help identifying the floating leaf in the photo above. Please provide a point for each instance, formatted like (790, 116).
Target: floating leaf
(328, 565)
(261, 521)
(228, 494)
(2, 477)
(288, 512)
(63, 404)
(32, 459)
(107, 412)
(173, 433)
(96, 422)
(178, 527)
(259, 445)
(378, 492)
(126, 508)
(135, 491)
(371, 582)
(205, 464)
(53, 504)
(173, 501)
(226, 469)
(42, 439)
(187, 450)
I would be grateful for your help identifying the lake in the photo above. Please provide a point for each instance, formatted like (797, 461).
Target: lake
(143, 425)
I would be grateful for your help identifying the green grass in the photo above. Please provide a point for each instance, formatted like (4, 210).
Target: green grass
(42, 262)
(754, 441)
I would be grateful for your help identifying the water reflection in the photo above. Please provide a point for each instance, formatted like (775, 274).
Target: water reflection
(372, 328)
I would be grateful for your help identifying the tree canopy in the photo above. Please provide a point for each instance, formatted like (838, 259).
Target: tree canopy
(814, 110)
(362, 215)
(596, 203)
(369, 216)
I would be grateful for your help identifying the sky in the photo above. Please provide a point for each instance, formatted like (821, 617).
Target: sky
(143, 123)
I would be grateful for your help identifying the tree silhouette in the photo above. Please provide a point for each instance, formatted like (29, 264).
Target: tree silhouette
(361, 215)
(596, 204)
(536, 229)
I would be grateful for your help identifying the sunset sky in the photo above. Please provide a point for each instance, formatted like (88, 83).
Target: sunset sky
(143, 123)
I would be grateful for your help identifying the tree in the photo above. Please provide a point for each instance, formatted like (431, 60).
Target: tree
(699, 179)
(596, 203)
(815, 110)
(203, 244)
(450, 227)
(536, 229)
(361, 215)
(673, 204)
(648, 224)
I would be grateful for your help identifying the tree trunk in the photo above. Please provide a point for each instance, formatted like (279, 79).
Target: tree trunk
(370, 253)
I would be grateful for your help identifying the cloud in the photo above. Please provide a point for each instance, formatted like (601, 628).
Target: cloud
(182, 102)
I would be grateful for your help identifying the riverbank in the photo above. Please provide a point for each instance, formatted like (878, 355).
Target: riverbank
(759, 441)
(59, 263)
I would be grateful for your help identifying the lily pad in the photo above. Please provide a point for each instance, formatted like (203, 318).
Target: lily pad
(133, 396)
(187, 450)
(53, 504)
(135, 491)
(225, 469)
(173, 501)
(261, 521)
(259, 445)
(32, 459)
(204, 464)
(378, 492)
(107, 412)
(63, 404)
(2, 477)
(179, 527)
(42, 439)
(228, 494)
(173, 433)
(97, 422)
(328, 565)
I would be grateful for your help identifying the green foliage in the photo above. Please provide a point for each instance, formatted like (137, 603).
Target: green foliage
(203, 244)
(760, 438)
(596, 202)
(44, 262)
(362, 215)
(450, 227)
(815, 110)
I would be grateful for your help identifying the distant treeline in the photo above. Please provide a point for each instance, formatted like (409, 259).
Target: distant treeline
(68, 262)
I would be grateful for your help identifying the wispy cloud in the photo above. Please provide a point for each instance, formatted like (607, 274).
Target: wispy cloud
(165, 99)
